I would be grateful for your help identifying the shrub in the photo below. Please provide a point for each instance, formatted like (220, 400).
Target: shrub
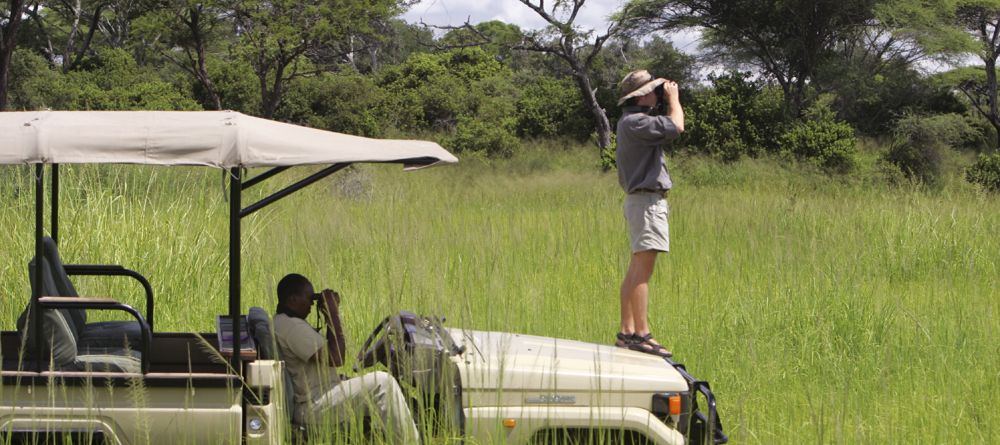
(551, 107)
(496, 141)
(346, 103)
(919, 142)
(435, 91)
(736, 117)
(986, 172)
(822, 139)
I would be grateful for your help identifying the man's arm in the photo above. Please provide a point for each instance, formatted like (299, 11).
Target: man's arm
(676, 113)
(336, 347)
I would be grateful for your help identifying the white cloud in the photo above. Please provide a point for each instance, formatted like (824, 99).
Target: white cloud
(594, 15)
(455, 12)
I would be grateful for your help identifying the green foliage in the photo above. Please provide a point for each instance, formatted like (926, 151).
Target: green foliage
(822, 140)
(871, 97)
(551, 107)
(110, 81)
(473, 135)
(737, 117)
(236, 84)
(432, 91)
(608, 161)
(341, 102)
(986, 172)
(920, 141)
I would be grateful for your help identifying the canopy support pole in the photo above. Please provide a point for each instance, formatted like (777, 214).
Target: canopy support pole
(261, 177)
(55, 203)
(292, 188)
(36, 315)
(235, 196)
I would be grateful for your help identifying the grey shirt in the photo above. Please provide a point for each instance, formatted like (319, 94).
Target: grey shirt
(640, 159)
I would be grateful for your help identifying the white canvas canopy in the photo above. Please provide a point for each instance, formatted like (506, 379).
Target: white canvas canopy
(222, 139)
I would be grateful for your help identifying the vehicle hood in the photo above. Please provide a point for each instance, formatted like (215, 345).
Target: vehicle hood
(517, 362)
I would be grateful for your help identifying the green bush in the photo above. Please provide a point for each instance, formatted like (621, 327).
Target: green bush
(433, 91)
(986, 172)
(735, 118)
(827, 143)
(920, 141)
(343, 102)
(550, 107)
(472, 135)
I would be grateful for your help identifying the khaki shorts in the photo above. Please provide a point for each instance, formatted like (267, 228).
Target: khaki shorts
(646, 213)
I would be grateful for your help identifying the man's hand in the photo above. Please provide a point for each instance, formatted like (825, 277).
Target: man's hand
(331, 299)
(670, 88)
(673, 98)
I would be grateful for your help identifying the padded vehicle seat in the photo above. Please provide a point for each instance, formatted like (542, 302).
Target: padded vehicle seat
(60, 345)
(100, 337)
(267, 349)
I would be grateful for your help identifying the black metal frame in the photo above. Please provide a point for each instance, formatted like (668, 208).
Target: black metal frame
(711, 421)
(114, 270)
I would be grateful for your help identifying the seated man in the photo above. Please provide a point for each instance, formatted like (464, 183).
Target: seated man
(311, 360)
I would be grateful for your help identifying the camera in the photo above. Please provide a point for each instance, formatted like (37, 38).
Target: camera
(317, 298)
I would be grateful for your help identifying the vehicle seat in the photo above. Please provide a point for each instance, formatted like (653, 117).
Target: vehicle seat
(267, 349)
(100, 337)
(60, 346)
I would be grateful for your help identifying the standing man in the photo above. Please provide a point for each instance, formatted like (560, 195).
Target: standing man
(311, 360)
(642, 173)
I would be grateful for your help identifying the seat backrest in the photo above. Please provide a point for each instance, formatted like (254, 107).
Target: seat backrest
(260, 329)
(58, 341)
(267, 349)
(49, 289)
(64, 287)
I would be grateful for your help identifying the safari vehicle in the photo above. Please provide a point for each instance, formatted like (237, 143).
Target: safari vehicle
(124, 382)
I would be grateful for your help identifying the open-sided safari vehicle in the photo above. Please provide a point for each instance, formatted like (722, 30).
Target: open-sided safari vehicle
(66, 378)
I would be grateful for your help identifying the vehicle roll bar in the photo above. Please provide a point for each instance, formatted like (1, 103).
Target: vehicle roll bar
(114, 270)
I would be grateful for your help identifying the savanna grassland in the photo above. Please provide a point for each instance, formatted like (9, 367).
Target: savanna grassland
(823, 309)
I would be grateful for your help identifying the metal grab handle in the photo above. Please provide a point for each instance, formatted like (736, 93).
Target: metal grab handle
(114, 270)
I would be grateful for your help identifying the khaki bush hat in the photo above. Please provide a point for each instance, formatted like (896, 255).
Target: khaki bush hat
(637, 84)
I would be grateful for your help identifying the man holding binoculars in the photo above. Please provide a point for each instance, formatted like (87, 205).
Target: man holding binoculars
(311, 360)
(642, 173)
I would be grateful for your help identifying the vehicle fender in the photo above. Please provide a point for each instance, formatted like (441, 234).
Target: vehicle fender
(486, 424)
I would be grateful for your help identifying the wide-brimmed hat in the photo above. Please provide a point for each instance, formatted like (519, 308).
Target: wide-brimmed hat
(637, 84)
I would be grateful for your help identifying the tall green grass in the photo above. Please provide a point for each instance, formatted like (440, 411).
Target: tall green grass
(822, 309)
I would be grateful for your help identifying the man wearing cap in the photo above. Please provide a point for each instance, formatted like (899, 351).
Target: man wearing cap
(311, 360)
(642, 173)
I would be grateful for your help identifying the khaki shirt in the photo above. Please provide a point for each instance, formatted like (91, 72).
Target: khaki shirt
(298, 345)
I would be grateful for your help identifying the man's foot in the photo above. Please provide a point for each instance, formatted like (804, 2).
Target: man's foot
(623, 340)
(646, 343)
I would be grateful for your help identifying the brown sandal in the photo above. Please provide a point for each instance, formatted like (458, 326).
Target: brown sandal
(645, 343)
(623, 340)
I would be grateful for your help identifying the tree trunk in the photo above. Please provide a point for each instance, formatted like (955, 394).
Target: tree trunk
(991, 94)
(8, 39)
(601, 124)
(201, 68)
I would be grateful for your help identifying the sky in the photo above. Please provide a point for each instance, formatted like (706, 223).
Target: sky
(455, 12)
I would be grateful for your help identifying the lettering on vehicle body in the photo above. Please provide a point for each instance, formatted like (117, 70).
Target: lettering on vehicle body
(551, 399)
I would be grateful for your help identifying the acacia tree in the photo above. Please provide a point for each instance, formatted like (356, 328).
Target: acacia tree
(577, 48)
(195, 24)
(277, 36)
(67, 28)
(980, 21)
(10, 22)
(786, 40)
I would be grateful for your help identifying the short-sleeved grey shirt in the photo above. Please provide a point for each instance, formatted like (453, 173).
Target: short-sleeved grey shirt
(640, 159)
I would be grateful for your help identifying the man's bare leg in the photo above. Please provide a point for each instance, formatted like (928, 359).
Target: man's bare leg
(635, 293)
